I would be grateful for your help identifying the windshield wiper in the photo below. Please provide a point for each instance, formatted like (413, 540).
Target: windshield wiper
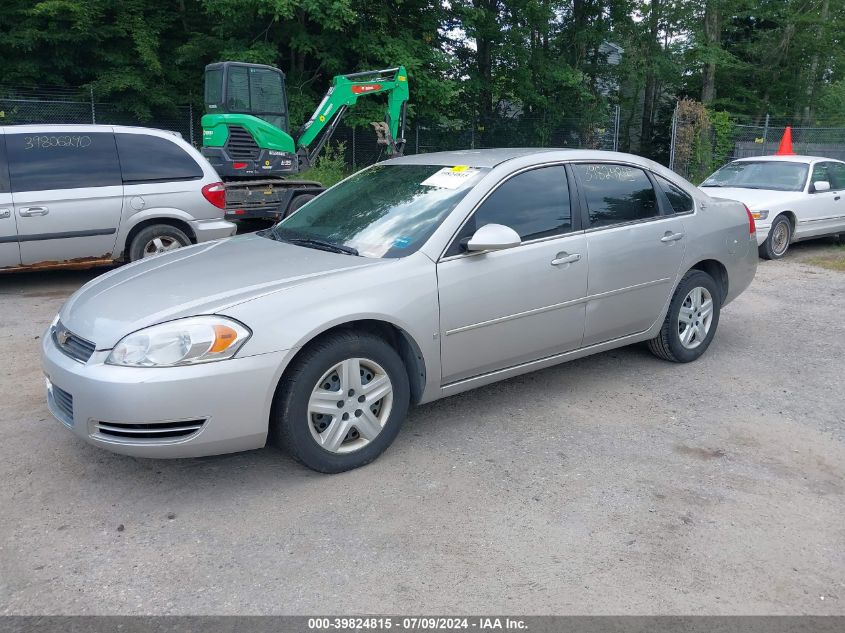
(323, 245)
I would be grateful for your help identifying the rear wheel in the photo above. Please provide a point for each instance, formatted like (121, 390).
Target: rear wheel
(342, 402)
(155, 240)
(779, 238)
(691, 321)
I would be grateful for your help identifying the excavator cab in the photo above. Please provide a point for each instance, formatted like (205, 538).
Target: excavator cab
(239, 88)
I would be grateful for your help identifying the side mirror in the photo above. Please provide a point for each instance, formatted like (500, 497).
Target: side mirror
(821, 185)
(493, 237)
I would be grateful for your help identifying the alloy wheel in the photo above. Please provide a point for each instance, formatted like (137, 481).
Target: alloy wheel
(695, 317)
(159, 245)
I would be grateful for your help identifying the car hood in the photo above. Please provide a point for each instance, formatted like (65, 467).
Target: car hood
(201, 279)
(752, 198)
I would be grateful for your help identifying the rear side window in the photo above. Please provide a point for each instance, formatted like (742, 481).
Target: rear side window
(534, 203)
(39, 162)
(616, 193)
(680, 200)
(4, 167)
(145, 158)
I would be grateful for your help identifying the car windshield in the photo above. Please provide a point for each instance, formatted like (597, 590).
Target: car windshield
(386, 211)
(776, 175)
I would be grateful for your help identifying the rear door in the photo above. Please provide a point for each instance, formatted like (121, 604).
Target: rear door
(10, 254)
(635, 248)
(67, 193)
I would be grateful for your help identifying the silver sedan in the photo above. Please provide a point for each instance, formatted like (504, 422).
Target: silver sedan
(412, 280)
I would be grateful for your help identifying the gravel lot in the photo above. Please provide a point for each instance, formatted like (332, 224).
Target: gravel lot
(612, 484)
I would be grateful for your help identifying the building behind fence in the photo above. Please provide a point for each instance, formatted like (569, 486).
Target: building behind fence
(699, 149)
(71, 106)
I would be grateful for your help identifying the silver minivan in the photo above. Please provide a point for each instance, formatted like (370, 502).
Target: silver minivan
(80, 195)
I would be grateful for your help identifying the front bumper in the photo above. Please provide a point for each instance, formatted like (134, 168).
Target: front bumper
(762, 232)
(190, 411)
(207, 230)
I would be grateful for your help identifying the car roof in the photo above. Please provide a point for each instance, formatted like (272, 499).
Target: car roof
(793, 158)
(493, 157)
(86, 127)
(471, 157)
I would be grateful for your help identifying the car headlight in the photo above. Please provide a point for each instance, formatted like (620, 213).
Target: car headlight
(759, 215)
(201, 339)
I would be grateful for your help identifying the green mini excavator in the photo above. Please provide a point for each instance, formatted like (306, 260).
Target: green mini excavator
(246, 132)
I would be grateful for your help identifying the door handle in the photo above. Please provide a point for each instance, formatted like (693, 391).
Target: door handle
(671, 237)
(837, 197)
(563, 258)
(5, 213)
(28, 212)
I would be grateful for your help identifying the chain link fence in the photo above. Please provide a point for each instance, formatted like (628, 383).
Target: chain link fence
(79, 106)
(20, 106)
(519, 131)
(699, 145)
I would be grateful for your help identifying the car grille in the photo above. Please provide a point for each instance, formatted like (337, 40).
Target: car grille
(64, 404)
(240, 144)
(148, 433)
(72, 345)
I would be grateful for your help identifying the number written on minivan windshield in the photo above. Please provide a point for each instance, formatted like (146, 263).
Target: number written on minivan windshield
(47, 142)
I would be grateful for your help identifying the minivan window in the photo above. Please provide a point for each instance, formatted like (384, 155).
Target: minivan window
(534, 203)
(616, 193)
(680, 200)
(145, 158)
(62, 160)
(4, 167)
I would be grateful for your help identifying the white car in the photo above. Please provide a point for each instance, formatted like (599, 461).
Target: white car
(792, 198)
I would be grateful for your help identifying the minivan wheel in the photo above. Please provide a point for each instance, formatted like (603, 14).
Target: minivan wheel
(691, 321)
(777, 243)
(155, 240)
(341, 403)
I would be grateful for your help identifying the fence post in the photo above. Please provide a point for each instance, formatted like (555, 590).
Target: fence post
(353, 150)
(93, 111)
(417, 142)
(674, 134)
(191, 122)
(765, 134)
(616, 129)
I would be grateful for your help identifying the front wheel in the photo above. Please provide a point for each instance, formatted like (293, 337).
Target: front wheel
(342, 402)
(780, 235)
(691, 321)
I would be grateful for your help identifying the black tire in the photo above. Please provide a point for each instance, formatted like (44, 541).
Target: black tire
(146, 235)
(667, 344)
(289, 418)
(773, 248)
(298, 202)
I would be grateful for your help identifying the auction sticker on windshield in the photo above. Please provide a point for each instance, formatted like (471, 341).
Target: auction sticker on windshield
(450, 177)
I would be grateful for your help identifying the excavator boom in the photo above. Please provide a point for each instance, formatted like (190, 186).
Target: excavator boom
(344, 93)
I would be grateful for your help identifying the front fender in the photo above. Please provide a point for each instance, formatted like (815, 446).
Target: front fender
(402, 293)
